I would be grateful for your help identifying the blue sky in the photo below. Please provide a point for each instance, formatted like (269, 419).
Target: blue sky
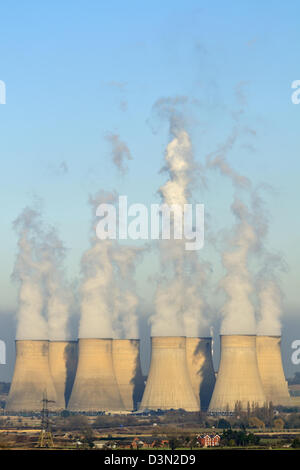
(68, 67)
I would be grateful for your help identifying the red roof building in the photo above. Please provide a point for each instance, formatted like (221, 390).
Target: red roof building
(209, 440)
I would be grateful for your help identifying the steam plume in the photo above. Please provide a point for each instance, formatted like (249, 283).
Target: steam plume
(270, 295)
(44, 297)
(270, 300)
(119, 151)
(58, 291)
(238, 310)
(97, 272)
(178, 303)
(125, 298)
(249, 234)
(29, 272)
(108, 301)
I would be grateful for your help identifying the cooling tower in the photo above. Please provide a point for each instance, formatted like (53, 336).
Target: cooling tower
(127, 366)
(201, 369)
(95, 387)
(32, 378)
(238, 378)
(271, 369)
(168, 384)
(63, 363)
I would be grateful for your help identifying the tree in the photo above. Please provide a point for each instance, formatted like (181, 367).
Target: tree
(253, 439)
(278, 423)
(255, 422)
(239, 438)
(88, 439)
(293, 420)
(238, 408)
(72, 422)
(223, 424)
(248, 410)
(173, 442)
(296, 443)
(193, 442)
(156, 443)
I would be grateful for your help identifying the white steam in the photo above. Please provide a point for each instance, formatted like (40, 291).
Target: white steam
(29, 271)
(249, 233)
(97, 271)
(125, 299)
(238, 310)
(178, 300)
(119, 152)
(270, 301)
(108, 301)
(270, 295)
(59, 293)
(44, 297)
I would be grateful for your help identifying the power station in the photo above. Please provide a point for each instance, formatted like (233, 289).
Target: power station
(95, 387)
(271, 370)
(238, 380)
(32, 378)
(92, 375)
(169, 384)
(127, 366)
(201, 369)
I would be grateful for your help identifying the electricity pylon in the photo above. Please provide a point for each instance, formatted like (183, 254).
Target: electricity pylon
(46, 437)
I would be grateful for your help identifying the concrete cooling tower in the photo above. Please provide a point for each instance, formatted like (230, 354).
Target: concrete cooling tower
(201, 369)
(127, 366)
(271, 369)
(63, 363)
(32, 378)
(95, 387)
(168, 384)
(238, 378)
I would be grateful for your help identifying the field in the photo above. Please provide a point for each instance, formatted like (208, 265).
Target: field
(170, 430)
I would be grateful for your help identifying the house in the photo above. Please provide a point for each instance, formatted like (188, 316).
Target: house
(159, 443)
(148, 443)
(137, 443)
(209, 440)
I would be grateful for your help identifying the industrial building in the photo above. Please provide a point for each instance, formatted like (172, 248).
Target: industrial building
(92, 375)
(95, 387)
(271, 370)
(169, 384)
(32, 379)
(238, 380)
